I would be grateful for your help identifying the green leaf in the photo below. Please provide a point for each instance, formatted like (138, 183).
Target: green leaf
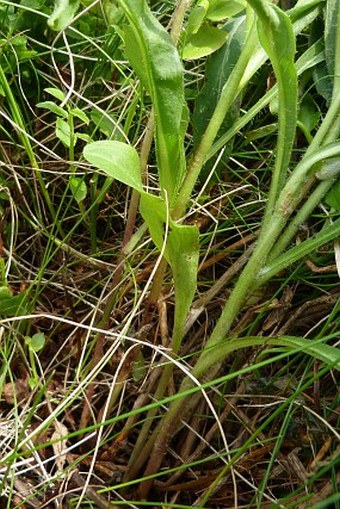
(309, 114)
(117, 159)
(183, 255)
(222, 9)
(63, 13)
(326, 353)
(155, 59)
(331, 28)
(53, 107)
(219, 66)
(138, 367)
(106, 124)
(85, 137)
(78, 188)
(153, 211)
(63, 132)
(55, 92)
(77, 112)
(277, 38)
(333, 197)
(181, 252)
(204, 42)
(12, 305)
(197, 17)
(37, 341)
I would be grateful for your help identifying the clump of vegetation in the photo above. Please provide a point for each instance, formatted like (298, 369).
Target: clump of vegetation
(169, 221)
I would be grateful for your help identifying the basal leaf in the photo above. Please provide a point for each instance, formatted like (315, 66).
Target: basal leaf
(331, 28)
(333, 197)
(207, 40)
(218, 69)
(183, 255)
(325, 353)
(117, 159)
(181, 252)
(153, 211)
(155, 59)
(63, 13)
(277, 38)
(309, 113)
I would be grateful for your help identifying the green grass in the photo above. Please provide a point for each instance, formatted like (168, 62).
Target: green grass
(175, 347)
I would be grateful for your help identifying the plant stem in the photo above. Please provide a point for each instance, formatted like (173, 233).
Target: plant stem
(228, 96)
(302, 215)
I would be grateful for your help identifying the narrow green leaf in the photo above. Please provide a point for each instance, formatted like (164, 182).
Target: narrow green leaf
(326, 353)
(183, 255)
(277, 38)
(53, 107)
(206, 41)
(181, 252)
(63, 13)
(155, 59)
(219, 66)
(153, 211)
(117, 159)
(332, 32)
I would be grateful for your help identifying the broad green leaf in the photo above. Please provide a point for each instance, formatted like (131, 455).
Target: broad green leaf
(53, 107)
(155, 60)
(218, 69)
(37, 341)
(55, 92)
(117, 159)
(333, 197)
(197, 17)
(222, 9)
(78, 188)
(183, 255)
(63, 132)
(207, 40)
(63, 13)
